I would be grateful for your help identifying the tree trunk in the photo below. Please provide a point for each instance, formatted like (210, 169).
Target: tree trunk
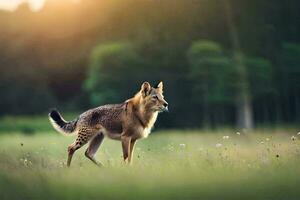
(278, 110)
(206, 123)
(297, 106)
(244, 112)
(243, 99)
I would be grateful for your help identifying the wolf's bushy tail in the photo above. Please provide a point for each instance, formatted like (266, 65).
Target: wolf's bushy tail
(61, 125)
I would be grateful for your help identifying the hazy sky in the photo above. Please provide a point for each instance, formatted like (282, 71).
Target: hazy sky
(12, 4)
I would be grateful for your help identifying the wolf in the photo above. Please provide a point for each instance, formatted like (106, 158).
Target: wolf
(126, 122)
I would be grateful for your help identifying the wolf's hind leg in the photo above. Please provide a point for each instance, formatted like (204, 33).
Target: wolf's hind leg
(93, 147)
(71, 150)
(83, 137)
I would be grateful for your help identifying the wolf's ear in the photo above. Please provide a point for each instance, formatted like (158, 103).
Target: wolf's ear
(146, 87)
(160, 86)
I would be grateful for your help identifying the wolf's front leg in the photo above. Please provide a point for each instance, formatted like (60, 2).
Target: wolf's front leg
(126, 146)
(132, 144)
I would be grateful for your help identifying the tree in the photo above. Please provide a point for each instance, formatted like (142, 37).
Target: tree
(114, 68)
(243, 97)
(260, 73)
(289, 75)
(20, 97)
(211, 73)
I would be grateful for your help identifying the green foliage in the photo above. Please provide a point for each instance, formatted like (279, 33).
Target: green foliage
(259, 71)
(112, 68)
(29, 124)
(211, 72)
(18, 97)
(290, 61)
(46, 61)
(288, 82)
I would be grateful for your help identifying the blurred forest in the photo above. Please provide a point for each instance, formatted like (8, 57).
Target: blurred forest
(223, 62)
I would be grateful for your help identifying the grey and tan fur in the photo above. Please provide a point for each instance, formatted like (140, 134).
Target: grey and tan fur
(127, 122)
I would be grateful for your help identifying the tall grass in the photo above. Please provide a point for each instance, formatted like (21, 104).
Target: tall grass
(167, 165)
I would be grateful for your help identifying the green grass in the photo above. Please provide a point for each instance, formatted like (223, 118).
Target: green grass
(167, 165)
(28, 124)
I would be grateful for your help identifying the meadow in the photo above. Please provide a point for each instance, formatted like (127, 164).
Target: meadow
(170, 164)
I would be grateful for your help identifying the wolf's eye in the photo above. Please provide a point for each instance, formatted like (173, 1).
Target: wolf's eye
(155, 97)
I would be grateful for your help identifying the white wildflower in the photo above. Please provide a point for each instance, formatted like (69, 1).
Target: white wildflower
(62, 164)
(298, 133)
(293, 138)
(25, 162)
(200, 149)
(182, 145)
(226, 137)
(267, 139)
(238, 133)
(218, 145)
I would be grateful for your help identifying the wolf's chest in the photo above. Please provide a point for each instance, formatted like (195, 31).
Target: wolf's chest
(145, 131)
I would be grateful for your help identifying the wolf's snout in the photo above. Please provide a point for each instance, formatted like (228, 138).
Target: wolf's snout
(166, 107)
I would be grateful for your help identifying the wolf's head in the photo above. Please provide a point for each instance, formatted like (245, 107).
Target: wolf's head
(152, 97)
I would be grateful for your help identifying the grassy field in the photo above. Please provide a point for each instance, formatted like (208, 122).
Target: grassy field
(219, 164)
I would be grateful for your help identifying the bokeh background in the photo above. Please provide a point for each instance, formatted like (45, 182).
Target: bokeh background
(228, 66)
(223, 62)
